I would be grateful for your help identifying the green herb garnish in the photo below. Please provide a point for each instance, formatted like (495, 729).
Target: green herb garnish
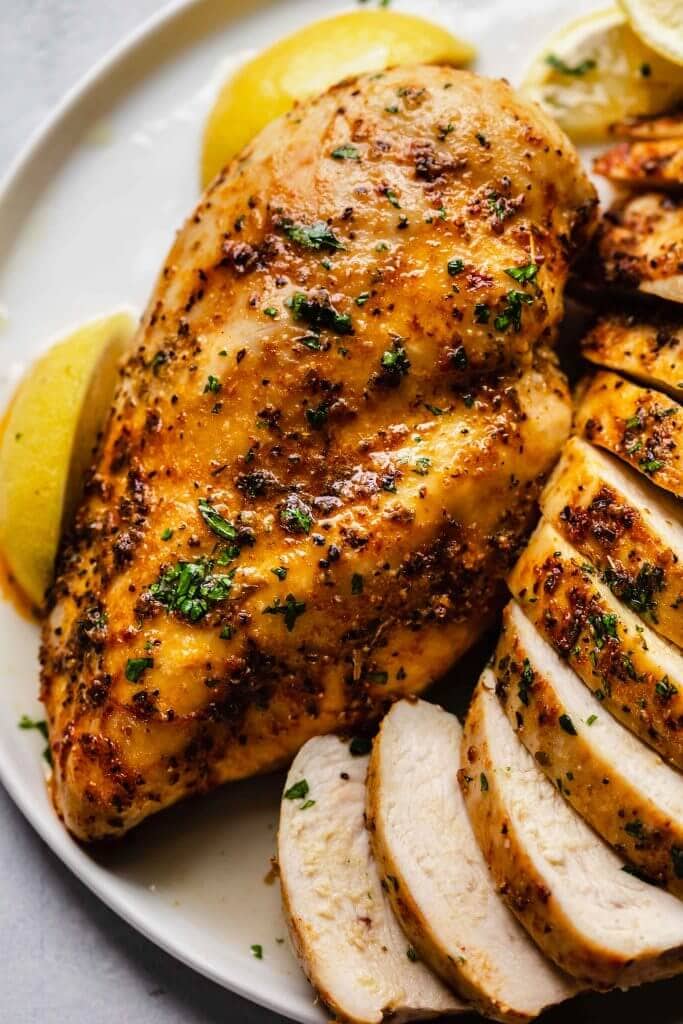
(290, 609)
(135, 667)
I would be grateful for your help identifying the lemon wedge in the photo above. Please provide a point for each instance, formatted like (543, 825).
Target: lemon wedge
(48, 435)
(659, 23)
(310, 61)
(595, 71)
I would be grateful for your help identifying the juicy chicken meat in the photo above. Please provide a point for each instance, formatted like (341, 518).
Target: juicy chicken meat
(325, 451)
(656, 163)
(639, 245)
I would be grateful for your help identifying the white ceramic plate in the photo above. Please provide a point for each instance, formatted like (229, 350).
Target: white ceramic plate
(86, 216)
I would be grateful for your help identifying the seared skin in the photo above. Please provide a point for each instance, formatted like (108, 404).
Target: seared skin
(641, 426)
(365, 418)
(650, 352)
(644, 164)
(639, 245)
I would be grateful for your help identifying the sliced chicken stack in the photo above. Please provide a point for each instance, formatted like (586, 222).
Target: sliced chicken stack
(573, 745)
(537, 852)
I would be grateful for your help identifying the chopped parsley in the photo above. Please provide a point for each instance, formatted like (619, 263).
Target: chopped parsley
(312, 236)
(512, 311)
(483, 782)
(482, 313)
(379, 677)
(422, 465)
(356, 583)
(434, 409)
(635, 828)
(591, 719)
(359, 746)
(215, 521)
(309, 803)
(270, 311)
(526, 681)
(135, 667)
(362, 298)
(604, 626)
(296, 516)
(290, 609)
(167, 533)
(638, 594)
(392, 197)
(567, 724)
(395, 361)
(212, 385)
(226, 633)
(411, 954)
(455, 267)
(317, 417)
(40, 725)
(523, 274)
(299, 791)
(665, 689)
(650, 465)
(576, 70)
(319, 314)
(257, 951)
(191, 588)
(345, 152)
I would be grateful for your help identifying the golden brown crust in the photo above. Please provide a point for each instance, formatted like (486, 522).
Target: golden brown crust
(652, 353)
(639, 245)
(631, 548)
(647, 164)
(523, 886)
(634, 824)
(641, 426)
(367, 418)
(629, 669)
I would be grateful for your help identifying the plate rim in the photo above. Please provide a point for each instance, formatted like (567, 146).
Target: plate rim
(50, 829)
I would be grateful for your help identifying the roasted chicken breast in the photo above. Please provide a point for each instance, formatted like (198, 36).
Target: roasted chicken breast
(325, 451)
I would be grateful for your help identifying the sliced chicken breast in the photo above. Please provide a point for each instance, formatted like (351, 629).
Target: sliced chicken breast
(566, 886)
(666, 126)
(652, 163)
(628, 530)
(641, 426)
(636, 674)
(340, 921)
(639, 245)
(630, 796)
(436, 876)
(653, 354)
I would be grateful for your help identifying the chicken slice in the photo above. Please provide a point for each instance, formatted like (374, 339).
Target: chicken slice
(628, 794)
(636, 674)
(566, 886)
(639, 245)
(666, 126)
(628, 530)
(653, 354)
(436, 876)
(340, 920)
(640, 425)
(326, 449)
(648, 164)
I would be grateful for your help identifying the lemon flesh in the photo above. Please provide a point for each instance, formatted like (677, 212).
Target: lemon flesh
(48, 436)
(596, 71)
(310, 61)
(659, 23)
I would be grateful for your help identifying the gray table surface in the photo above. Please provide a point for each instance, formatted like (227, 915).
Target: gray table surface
(63, 956)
